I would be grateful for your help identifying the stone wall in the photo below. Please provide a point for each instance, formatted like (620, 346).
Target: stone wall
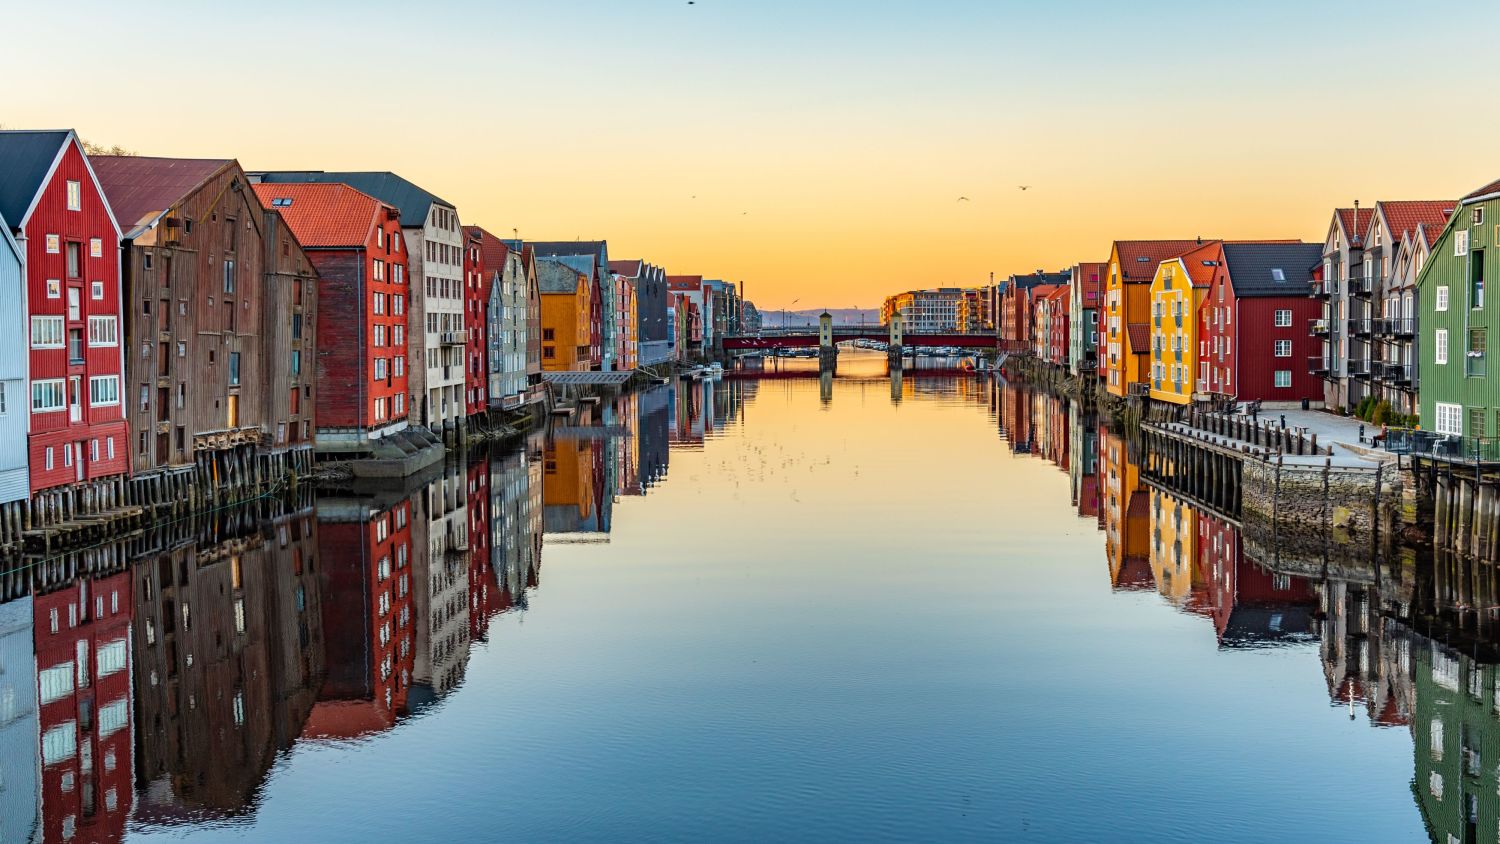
(1307, 502)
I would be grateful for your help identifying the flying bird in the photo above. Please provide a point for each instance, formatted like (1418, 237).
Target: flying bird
(1024, 187)
(963, 199)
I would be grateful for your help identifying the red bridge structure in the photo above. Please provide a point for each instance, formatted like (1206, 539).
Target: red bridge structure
(791, 338)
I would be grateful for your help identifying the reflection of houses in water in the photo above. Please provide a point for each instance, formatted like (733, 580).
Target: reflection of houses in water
(573, 490)
(1127, 517)
(478, 573)
(228, 662)
(365, 549)
(1174, 548)
(83, 666)
(20, 816)
(516, 525)
(1250, 605)
(1083, 460)
(688, 411)
(654, 411)
(440, 586)
(1015, 417)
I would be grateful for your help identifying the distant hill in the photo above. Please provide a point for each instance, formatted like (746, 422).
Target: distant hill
(841, 316)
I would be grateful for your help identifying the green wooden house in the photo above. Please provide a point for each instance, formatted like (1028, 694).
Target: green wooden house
(1456, 320)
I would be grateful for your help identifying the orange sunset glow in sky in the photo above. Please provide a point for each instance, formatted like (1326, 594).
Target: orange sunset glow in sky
(815, 150)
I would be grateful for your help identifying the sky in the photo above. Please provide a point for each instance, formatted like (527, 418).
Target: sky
(815, 150)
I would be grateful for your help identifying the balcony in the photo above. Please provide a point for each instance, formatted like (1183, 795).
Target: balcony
(1399, 327)
(1361, 327)
(1318, 364)
(1359, 367)
(1444, 447)
(1474, 365)
(1361, 286)
(1326, 288)
(1317, 327)
(452, 338)
(1394, 373)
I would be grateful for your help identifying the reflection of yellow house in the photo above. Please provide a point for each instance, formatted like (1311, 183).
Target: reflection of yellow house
(568, 477)
(1127, 304)
(566, 301)
(1127, 526)
(1177, 290)
(1174, 546)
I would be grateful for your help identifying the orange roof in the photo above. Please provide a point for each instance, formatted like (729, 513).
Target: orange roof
(1492, 187)
(1044, 291)
(1140, 258)
(1403, 217)
(492, 250)
(324, 214)
(1354, 225)
(1199, 273)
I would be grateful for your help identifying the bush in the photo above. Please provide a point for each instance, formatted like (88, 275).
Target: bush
(1382, 413)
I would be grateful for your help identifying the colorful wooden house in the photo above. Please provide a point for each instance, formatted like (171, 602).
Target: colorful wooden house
(478, 290)
(1085, 295)
(1179, 286)
(355, 242)
(567, 304)
(52, 200)
(1126, 335)
(1456, 320)
(1253, 344)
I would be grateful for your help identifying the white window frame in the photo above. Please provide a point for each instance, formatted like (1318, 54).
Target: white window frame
(104, 391)
(1283, 378)
(60, 744)
(113, 717)
(1460, 243)
(104, 332)
(110, 658)
(1283, 318)
(1440, 298)
(75, 195)
(46, 388)
(1449, 419)
(48, 332)
(1440, 346)
(55, 683)
(1280, 345)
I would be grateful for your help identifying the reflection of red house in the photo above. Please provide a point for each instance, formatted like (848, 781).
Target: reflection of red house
(367, 617)
(482, 589)
(83, 679)
(1248, 604)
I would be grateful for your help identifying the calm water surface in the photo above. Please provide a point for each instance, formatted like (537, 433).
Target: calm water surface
(756, 609)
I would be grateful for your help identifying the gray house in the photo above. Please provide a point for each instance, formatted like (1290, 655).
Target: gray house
(15, 482)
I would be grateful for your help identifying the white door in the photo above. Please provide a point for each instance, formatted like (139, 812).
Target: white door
(75, 406)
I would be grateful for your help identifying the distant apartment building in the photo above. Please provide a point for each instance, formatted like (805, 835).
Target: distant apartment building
(925, 311)
(1015, 316)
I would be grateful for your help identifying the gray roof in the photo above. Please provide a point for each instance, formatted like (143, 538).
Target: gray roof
(25, 159)
(582, 263)
(554, 276)
(553, 248)
(414, 203)
(1026, 282)
(1252, 266)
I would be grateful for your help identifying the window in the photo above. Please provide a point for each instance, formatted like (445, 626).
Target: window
(46, 332)
(54, 288)
(48, 396)
(1283, 318)
(229, 275)
(1460, 243)
(55, 682)
(59, 744)
(75, 196)
(379, 303)
(96, 291)
(1476, 279)
(398, 367)
(1450, 419)
(75, 259)
(1283, 348)
(49, 464)
(296, 362)
(1283, 378)
(234, 369)
(548, 334)
(103, 390)
(380, 369)
(110, 658)
(1440, 346)
(103, 331)
(1441, 299)
(113, 717)
(1278, 274)
(1479, 216)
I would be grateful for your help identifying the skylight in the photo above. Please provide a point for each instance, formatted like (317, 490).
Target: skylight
(1277, 274)
(281, 202)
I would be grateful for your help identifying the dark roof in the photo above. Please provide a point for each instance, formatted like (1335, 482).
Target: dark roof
(630, 268)
(1252, 266)
(140, 188)
(25, 158)
(1026, 282)
(413, 202)
(556, 277)
(551, 248)
(1139, 334)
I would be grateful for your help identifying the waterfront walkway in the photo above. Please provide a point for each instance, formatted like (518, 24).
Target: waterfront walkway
(1340, 433)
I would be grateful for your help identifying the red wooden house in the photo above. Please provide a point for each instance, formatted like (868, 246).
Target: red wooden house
(355, 242)
(476, 323)
(1253, 341)
(51, 198)
(83, 666)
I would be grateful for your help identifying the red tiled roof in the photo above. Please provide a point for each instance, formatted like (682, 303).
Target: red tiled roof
(1198, 273)
(1404, 216)
(685, 282)
(1097, 271)
(492, 250)
(1430, 233)
(1492, 187)
(1140, 337)
(324, 214)
(1354, 226)
(139, 187)
(1133, 270)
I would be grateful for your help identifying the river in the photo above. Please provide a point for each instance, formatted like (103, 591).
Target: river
(771, 608)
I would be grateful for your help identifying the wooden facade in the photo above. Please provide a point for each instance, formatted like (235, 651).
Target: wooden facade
(355, 243)
(221, 301)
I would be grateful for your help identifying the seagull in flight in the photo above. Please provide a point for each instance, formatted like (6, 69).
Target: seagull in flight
(1024, 187)
(963, 199)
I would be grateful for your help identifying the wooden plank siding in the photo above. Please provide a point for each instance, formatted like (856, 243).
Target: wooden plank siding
(50, 289)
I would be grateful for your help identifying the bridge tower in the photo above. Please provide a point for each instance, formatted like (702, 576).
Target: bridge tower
(897, 329)
(828, 351)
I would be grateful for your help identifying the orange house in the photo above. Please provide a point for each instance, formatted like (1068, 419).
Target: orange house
(566, 302)
(1126, 325)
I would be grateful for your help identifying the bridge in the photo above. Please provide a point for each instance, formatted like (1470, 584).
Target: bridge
(791, 338)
